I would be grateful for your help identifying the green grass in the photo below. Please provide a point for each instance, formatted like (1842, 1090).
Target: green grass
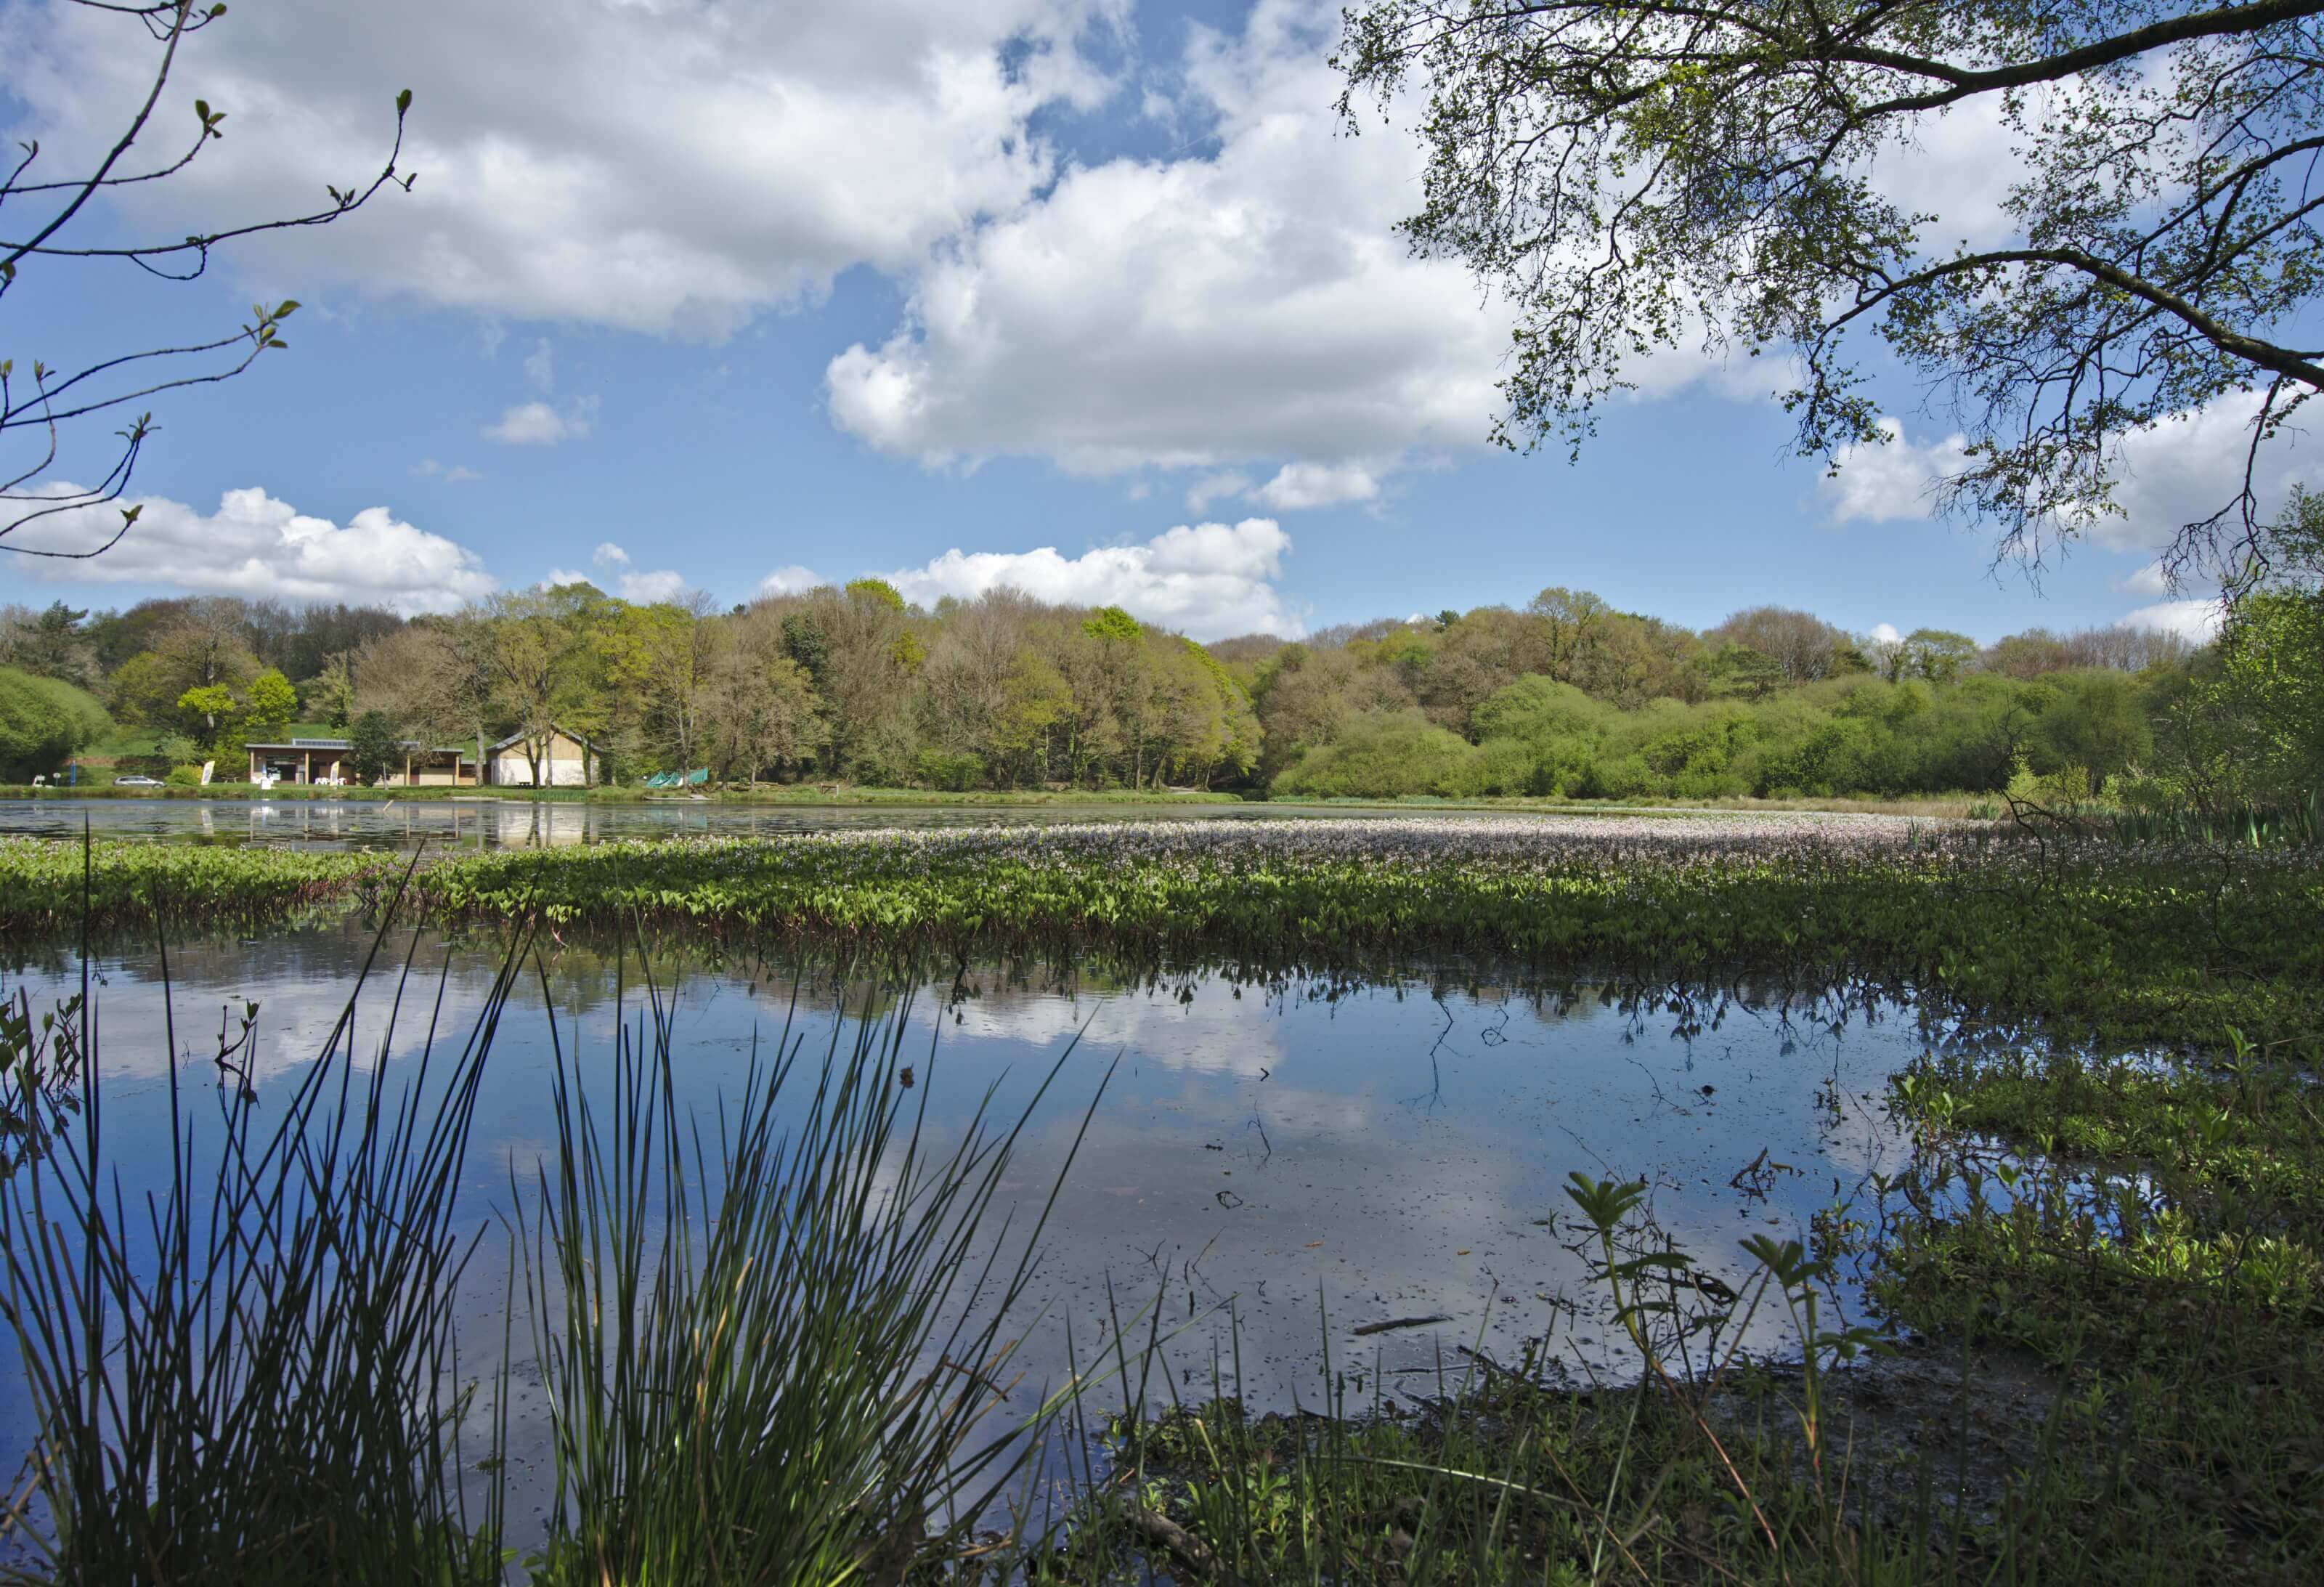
(1918, 806)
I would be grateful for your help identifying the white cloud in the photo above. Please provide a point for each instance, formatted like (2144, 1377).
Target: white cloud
(2189, 467)
(458, 474)
(540, 366)
(1298, 486)
(1958, 165)
(2148, 580)
(791, 581)
(1208, 580)
(1887, 633)
(1879, 483)
(2195, 620)
(2184, 469)
(1216, 487)
(662, 167)
(535, 424)
(649, 588)
(645, 588)
(1250, 304)
(256, 545)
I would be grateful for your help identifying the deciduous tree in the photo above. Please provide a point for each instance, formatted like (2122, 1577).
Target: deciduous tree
(1709, 174)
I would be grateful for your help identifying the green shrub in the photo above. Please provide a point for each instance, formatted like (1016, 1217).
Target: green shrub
(951, 773)
(43, 723)
(1386, 755)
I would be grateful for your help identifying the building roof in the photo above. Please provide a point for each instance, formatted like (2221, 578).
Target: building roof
(409, 746)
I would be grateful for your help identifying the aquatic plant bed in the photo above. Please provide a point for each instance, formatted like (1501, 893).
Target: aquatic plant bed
(44, 883)
(2146, 944)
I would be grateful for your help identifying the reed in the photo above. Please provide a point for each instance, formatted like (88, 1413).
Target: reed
(779, 1354)
(250, 1372)
(777, 1346)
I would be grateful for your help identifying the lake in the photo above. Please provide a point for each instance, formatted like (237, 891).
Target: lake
(1280, 1152)
(487, 822)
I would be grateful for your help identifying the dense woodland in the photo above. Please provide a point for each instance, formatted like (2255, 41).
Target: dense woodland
(1563, 695)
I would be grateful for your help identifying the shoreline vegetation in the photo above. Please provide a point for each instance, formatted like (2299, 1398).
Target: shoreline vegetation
(2104, 1275)
(2159, 941)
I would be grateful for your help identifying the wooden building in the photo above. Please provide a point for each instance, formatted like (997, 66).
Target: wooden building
(566, 760)
(331, 761)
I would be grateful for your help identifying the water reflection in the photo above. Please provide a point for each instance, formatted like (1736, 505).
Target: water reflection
(490, 822)
(1386, 1147)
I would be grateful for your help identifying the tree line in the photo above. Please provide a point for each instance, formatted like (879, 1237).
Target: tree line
(1563, 695)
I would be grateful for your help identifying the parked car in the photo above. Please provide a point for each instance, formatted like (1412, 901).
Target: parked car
(136, 782)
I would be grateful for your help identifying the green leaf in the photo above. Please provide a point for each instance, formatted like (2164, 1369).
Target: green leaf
(403, 101)
(202, 111)
(286, 308)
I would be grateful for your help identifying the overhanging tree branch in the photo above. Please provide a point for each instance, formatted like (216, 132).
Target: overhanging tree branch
(52, 399)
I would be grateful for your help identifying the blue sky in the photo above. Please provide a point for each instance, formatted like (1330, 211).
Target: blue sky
(699, 295)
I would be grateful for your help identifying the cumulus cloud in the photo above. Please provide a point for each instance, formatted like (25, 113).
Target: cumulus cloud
(2190, 466)
(1208, 580)
(537, 424)
(266, 549)
(1887, 633)
(2195, 620)
(645, 588)
(791, 580)
(1297, 486)
(661, 167)
(1880, 483)
(2184, 469)
(1248, 304)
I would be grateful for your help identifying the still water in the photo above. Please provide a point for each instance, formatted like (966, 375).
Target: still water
(1298, 1150)
(494, 823)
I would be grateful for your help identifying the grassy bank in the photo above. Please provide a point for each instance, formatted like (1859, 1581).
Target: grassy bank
(1923, 807)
